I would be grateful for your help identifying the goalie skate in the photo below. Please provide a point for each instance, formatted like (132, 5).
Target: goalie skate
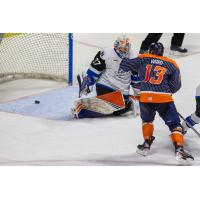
(74, 114)
(182, 156)
(144, 148)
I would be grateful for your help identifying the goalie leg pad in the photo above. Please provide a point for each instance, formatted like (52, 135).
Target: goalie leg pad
(99, 106)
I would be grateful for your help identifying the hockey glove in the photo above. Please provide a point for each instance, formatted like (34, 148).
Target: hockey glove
(87, 85)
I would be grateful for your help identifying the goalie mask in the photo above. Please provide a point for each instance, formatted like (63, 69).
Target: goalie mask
(122, 46)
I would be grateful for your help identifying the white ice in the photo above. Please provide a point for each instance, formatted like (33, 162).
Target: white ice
(26, 140)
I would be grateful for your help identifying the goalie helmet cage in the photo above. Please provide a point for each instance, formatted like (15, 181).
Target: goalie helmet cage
(36, 55)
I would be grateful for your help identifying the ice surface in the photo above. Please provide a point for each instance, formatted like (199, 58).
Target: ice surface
(53, 104)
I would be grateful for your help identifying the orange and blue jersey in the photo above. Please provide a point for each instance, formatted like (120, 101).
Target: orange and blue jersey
(160, 77)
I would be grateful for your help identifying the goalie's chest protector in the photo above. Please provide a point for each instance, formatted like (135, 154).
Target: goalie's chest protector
(111, 77)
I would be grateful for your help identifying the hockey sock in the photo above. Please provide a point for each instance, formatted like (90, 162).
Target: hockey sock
(177, 138)
(147, 129)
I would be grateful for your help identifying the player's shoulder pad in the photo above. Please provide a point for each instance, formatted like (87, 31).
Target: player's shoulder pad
(170, 61)
(144, 55)
(166, 59)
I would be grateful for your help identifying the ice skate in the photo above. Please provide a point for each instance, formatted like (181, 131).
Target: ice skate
(73, 113)
(182, 156)
(144, 148)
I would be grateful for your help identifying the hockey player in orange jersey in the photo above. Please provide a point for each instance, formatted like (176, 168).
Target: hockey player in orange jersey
(160, 79)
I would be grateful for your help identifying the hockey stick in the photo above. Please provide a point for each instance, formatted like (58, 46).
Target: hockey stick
(79, 84)
(189, 125)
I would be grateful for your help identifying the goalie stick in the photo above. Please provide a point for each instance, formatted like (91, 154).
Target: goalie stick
(79, 84)
(189, 125)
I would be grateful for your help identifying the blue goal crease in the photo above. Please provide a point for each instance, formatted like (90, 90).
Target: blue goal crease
(54, 104)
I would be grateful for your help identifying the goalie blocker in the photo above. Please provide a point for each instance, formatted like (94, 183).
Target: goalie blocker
(104, 105)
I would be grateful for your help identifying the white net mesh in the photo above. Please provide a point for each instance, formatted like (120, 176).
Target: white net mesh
(34, 55)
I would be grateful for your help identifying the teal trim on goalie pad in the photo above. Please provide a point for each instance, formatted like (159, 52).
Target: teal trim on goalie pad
(54, 104)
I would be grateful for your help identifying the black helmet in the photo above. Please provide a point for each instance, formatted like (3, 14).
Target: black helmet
(156, 48)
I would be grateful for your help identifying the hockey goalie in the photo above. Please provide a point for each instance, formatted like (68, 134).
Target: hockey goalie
(112, 86)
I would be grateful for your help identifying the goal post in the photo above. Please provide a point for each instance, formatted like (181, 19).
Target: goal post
(36, 55)
(70, 57)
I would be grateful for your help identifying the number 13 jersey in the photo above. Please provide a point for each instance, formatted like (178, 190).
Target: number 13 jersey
(160, 77)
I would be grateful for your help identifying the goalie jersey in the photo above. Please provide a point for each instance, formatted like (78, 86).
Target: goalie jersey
(105, 70)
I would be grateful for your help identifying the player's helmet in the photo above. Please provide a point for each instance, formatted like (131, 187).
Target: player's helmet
(156, 48)
(122, 46)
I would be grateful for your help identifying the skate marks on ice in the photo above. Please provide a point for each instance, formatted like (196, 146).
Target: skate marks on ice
(134, 159)
(42, 162)
(138, 160)
(159, 155)
(121, 160)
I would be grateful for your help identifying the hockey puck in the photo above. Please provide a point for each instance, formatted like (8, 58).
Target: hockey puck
(37, 101)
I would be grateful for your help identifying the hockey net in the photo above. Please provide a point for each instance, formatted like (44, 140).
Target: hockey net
(35, 55)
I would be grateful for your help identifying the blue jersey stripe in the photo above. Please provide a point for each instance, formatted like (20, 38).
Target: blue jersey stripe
(92, 74)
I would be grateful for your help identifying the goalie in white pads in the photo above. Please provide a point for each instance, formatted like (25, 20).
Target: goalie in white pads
(112, 86)
(194, 118)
